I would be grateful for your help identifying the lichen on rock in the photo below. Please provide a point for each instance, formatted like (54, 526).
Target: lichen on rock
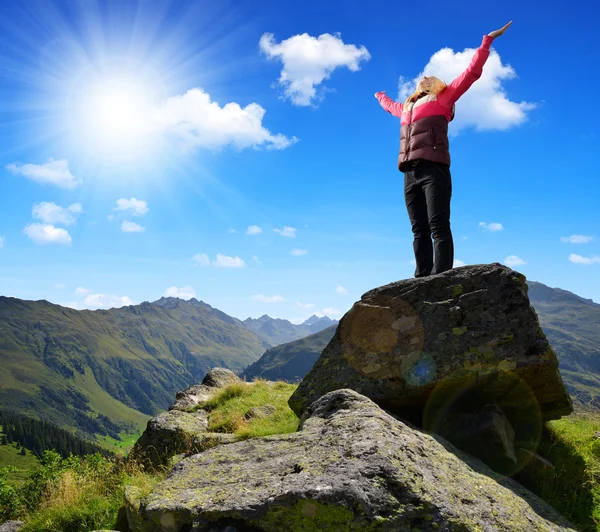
(351, 466)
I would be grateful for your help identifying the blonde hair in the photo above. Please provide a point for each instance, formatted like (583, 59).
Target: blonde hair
(438, 86)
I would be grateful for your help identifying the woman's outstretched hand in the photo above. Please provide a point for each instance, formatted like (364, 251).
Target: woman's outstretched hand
(382, 92)
(499, 32)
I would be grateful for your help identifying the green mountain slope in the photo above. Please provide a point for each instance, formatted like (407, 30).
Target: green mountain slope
(276, 331)
(105, 371)
(291, 361)
(572, 324)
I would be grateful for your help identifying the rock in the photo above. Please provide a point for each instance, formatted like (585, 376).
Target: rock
(168, 434)
(11, 526)
(430, 347)
(182, 429)
(258, 412)
(133, 499)
(486, 433)
(352, 467)
(220, 378)
(215, 379)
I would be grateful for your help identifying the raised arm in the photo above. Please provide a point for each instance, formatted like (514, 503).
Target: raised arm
(388, 104)
(473, 72)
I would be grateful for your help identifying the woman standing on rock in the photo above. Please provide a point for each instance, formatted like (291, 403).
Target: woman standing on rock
(425, 159)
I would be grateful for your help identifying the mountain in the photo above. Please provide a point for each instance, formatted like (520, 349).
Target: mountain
(291, 361)
(100, 372)
(572, 324)
(276, 331)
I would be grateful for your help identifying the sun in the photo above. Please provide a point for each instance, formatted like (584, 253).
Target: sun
(117, 109)
(112, 116)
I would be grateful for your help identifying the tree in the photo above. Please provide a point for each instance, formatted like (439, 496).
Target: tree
(23, 451)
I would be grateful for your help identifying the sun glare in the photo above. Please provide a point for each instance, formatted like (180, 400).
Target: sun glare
(112, 118)
(117, 109)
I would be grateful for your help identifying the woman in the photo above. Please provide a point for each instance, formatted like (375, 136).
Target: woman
(425, 159)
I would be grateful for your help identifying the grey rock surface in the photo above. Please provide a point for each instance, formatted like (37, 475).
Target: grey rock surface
(425, 348)
(215, 379)
(11, 526)
(257, 412)
(350, 467)
(183, 429)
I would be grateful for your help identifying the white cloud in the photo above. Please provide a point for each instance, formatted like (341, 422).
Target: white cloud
(341, 290)
(578, 259)
(132, 227)
(80, 291)
(256, 259)
(223, 261)
(298, 252)
(485, 105)
(413, 262)
(287, 231)
(331, 312)
(458, 263)
(307, 61)
(465, 237)
(185, 292)
(268, 299)
(577, 239)
(1, 242)
(200, 122)
(132, 206)
(201, 259)
(95, 301)
(59, 286)
(232, 231)
(51, 172)
(48, 234)
(254, 230)
(512, 260)
(73, 305)
(50, 213)
(304, 305)
(494, 226)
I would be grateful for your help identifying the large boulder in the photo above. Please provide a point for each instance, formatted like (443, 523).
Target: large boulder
(183, 429)
(352, 467)
(459, 353)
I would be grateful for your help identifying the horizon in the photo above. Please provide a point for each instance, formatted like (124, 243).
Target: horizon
(154, 149)
(295, 322)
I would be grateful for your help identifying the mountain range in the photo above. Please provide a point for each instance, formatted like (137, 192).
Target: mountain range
(102, 372)
(277, 331)
(89, 369)
(291, 361)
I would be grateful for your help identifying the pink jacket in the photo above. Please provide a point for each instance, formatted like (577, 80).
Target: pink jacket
(428, 117)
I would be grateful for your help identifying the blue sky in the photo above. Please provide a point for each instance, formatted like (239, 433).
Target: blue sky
(234, 151)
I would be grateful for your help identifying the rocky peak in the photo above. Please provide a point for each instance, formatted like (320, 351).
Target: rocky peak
(460, 353)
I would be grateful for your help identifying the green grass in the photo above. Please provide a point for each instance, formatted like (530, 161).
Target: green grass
(119, 447)
(10, 456)
(227, 409)
(73, 494)
(573, 485)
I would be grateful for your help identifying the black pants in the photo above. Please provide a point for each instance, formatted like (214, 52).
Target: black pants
(427, 192)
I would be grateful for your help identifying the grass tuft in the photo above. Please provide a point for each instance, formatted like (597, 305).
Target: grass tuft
(228, 408)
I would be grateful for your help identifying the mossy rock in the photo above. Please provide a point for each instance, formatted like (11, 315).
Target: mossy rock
(350, 467)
